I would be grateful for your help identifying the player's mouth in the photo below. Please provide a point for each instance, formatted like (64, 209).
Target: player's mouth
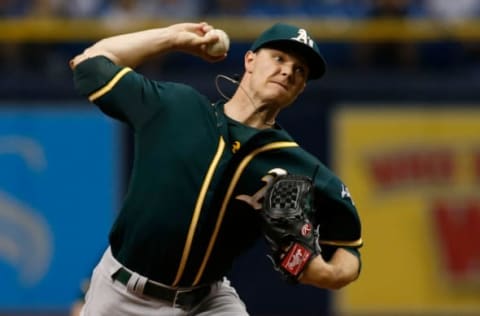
(281, 84)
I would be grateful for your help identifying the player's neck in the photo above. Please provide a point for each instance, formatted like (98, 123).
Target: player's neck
(261, 117)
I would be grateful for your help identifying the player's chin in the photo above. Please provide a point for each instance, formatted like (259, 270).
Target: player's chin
(279, 97)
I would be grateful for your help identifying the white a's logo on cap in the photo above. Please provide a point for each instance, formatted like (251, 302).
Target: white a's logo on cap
(303, 38)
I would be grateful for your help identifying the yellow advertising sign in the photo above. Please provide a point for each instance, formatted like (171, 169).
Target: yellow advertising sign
(414, 174)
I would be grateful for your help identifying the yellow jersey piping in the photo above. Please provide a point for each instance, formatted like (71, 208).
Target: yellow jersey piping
(341, 243)
(243, 164)
(197, 210)
(106, 88)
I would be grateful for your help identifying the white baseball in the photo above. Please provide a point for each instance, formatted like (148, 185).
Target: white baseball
(219, 47)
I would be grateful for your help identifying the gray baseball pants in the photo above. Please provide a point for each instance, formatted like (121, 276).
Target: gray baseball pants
(107, 297)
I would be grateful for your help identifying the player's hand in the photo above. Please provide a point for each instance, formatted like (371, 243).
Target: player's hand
(192, 38)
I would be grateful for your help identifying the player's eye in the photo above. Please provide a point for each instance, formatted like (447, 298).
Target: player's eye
(278, 58)
(300, 70)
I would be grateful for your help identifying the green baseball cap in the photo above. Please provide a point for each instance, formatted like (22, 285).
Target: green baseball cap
(284, 36)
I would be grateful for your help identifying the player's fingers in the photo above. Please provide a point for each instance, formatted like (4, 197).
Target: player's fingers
(209, 58)
(190, 27)
(211, 37)
(205, 27)
(200, 29)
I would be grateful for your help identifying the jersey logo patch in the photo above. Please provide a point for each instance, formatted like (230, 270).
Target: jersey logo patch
(255, 200)
(236, 146)
(346, 193)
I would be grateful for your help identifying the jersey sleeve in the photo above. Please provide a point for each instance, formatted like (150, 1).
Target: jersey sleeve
(118, 91)
(337, 215)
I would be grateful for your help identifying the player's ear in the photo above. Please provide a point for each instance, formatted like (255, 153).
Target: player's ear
(249, 60)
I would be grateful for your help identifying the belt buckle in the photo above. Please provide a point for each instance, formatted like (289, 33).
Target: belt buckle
(189, 297)
(178, 301)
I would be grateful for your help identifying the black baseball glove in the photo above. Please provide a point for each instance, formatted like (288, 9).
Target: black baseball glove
(287, 225)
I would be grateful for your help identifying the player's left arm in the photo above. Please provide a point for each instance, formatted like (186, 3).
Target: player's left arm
(342, 269)
(340, 238)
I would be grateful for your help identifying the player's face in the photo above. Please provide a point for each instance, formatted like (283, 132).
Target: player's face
(277, 76)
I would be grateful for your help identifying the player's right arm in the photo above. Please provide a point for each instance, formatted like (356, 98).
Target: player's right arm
(342, 269)
(132, 49)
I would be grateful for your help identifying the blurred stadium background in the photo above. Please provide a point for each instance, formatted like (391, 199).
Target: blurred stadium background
(397, 117)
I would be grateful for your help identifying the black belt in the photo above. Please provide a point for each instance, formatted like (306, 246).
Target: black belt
(184, 298)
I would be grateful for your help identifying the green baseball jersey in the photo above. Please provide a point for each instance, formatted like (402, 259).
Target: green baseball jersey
(181, 223)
